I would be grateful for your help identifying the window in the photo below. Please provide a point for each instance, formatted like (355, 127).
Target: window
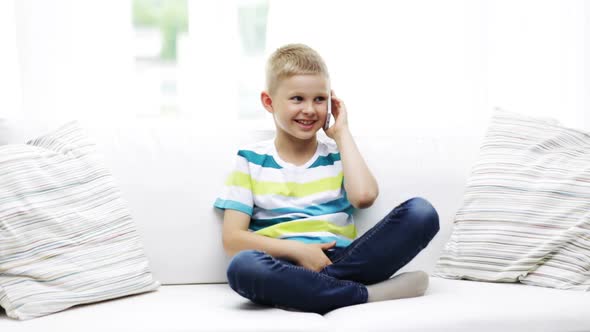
(179, 46)
(252, 18)
(158, 27)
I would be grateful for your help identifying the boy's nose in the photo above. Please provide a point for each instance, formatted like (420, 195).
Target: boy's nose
(309, 108)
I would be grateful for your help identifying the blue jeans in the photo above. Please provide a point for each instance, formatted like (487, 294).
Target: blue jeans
(374, 257)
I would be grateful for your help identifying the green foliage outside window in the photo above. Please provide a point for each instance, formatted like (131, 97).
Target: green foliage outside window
(252, 19)
(170, 16)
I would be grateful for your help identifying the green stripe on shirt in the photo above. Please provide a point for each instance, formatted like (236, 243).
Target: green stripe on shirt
(308, 226)
(291, 189)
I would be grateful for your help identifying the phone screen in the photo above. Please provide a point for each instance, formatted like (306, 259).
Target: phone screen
(329, 115)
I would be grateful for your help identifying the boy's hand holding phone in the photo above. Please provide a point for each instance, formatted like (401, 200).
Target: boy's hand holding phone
(329, 113)
(337, 111)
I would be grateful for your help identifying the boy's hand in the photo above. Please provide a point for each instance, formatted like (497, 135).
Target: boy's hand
(340, 116)
(360, 184)
(312, 256)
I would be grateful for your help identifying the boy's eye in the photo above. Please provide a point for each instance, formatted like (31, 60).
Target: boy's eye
(297, 98)
(320, 99)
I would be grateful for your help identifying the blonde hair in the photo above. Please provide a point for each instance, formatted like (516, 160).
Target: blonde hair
(290, 60)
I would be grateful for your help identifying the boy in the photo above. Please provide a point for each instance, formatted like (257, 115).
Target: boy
(288, 205)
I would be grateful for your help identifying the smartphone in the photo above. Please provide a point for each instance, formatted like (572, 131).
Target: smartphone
(329, 115)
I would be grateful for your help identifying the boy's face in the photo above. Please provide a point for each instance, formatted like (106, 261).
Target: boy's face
(300, 105)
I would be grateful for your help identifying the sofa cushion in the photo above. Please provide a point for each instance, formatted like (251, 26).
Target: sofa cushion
(449, 305)
(525, 210)
(66, 236)
(177, 308)
(466, 306)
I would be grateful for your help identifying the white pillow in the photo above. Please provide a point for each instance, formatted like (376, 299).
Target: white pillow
(526, 210)
(66, 236)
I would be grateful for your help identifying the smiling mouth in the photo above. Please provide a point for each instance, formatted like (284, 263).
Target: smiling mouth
(306, 122)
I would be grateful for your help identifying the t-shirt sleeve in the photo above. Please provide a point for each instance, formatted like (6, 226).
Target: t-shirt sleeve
(237, 190)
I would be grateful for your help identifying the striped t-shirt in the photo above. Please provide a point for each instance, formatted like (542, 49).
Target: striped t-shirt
(306, 203)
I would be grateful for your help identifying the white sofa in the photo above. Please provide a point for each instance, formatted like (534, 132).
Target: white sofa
(170, 174)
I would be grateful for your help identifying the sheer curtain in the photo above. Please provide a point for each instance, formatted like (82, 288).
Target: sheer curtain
(208, 65)
(399, 65)
(444, 65)
(77, 61)
(537, 58)
(10, 80)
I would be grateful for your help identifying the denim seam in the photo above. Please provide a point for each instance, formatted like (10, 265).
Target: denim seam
(255, 297)
(360, 288)
(369, 236)
(328, 278)
(364, 292)
(297, 267)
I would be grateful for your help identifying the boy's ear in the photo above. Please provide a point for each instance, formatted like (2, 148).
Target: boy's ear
(266, 101)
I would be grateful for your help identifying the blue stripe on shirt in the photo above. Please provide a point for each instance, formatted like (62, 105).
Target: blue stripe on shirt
(233, 205)
(338, 205)
(258, 224)
(320, 239)
(263, 160)
(326, 160)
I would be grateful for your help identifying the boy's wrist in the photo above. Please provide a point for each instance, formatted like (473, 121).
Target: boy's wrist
(341, 134)
(290, 249)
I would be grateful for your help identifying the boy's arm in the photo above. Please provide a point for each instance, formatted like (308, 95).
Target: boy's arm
(360, 184)
(236, 238)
